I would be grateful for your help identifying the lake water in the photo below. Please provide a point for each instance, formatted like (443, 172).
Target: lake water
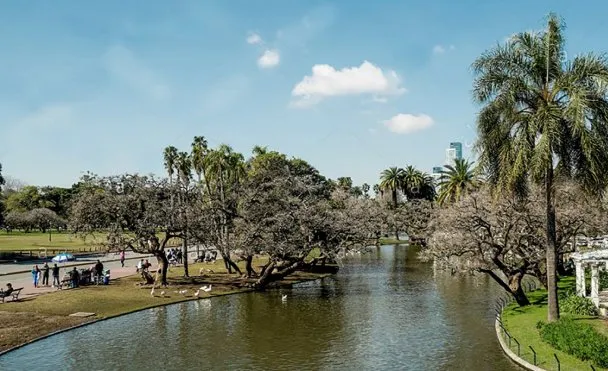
(385, 310)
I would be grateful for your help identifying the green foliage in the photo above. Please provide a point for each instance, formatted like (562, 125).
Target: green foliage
(576, 338)
(603, 280)
(579, 305)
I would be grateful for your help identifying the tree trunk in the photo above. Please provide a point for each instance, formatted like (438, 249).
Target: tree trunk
(249, 267)
(517, 291)
(513, 287)
(269, 277)
(230, 265)
(163, 263)
(552, 299)
(185, 255)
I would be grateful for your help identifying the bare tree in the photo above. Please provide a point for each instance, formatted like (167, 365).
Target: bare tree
(504, 237)
(132, 209)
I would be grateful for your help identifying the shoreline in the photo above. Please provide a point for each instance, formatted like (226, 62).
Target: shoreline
(61, 329)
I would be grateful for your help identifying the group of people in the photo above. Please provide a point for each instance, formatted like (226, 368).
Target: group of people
(175, 256)
(43, 273)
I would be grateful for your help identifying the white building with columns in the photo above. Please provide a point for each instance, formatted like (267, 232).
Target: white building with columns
(596, 261)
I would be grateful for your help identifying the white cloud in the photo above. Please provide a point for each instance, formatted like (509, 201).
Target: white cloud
(269, 59)
(405, 123)
(254, 38)
(326, 81)
(440, 49)
(125, 66)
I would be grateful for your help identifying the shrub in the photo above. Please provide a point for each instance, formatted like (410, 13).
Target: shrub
(576, 338)
(603, 280)
(575, 304)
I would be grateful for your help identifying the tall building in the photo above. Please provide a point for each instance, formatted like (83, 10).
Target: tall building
(453, 153)
(458, 147)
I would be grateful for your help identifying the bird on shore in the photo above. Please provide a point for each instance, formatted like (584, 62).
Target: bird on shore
(183, 292)
(197, 293)
(206, 288)
(284, 297)
(162, 294)
(152, 291)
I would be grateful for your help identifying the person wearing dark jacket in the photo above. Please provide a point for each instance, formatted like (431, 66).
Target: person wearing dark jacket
(99, 270)
(56, 282)
(45, 275)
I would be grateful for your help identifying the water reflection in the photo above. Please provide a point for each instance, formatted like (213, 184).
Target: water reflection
(385, 310)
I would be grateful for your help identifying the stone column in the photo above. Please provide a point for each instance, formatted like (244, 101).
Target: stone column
(595, 285)
(580, 279)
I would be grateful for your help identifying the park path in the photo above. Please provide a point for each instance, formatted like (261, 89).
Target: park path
(26, 266)
(25, 279)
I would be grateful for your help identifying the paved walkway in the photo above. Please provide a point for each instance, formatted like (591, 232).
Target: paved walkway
(26, 266)
(25, 279)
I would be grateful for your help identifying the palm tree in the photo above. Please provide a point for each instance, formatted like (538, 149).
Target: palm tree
(259, 150)
(184, 174)
(198, 155)
(412, 181)
(427, 188)
(542, 116)
(456, 181)
(170, 157)
(391, 180)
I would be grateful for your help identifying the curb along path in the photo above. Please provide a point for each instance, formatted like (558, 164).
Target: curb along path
(505, 348)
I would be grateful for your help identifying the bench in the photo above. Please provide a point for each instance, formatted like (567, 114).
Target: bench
(14, 294)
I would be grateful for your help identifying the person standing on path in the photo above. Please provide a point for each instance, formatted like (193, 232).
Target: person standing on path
(122, 258)
(45, 274)
(56, 276)
(35, 275)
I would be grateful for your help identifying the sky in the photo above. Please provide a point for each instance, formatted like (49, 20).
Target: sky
(352, 87)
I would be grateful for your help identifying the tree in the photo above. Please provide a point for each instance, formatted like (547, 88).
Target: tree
(132, 209)
(365, 189)
(391, 180)
(542, 115)
(2, 181)
(184, 175)
(480, 233)
(456, 181)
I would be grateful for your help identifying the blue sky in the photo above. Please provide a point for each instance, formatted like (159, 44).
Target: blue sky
(350, 86)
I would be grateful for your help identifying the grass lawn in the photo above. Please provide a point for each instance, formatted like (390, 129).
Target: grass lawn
(34, 317)
(36, 242)
(521, 324)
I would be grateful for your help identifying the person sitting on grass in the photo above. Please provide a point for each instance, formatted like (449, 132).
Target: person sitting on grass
(9, 290)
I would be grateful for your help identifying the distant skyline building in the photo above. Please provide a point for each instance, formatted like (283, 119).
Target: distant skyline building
(451, 154)
(458, 147)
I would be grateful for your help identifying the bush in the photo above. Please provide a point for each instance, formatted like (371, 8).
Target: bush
(575, 304)
(603, 280)
(576, 338)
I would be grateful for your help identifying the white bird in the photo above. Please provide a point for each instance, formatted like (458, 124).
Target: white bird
(152, 291)
(206, 288)
(197, 293)
(183, 292)
(162, 294)
(284, 297)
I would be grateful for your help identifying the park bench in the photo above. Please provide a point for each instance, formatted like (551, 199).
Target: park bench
(14, 294)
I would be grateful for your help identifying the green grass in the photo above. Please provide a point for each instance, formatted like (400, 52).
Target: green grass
(37, 242)
(521, 324)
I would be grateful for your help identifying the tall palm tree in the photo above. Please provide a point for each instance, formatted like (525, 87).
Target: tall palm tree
(542, 116)
(170, 158)
(427, 187)
(412, 181)
(184, 174)
(456, 181)
(391, 180)
(197, 156)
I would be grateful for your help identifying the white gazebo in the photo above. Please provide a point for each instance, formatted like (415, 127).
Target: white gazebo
(596, 260)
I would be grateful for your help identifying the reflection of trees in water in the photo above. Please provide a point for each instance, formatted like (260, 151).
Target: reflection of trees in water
(468, 307)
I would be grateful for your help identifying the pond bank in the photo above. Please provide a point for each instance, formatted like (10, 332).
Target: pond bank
(520, 323)
(35, 318)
